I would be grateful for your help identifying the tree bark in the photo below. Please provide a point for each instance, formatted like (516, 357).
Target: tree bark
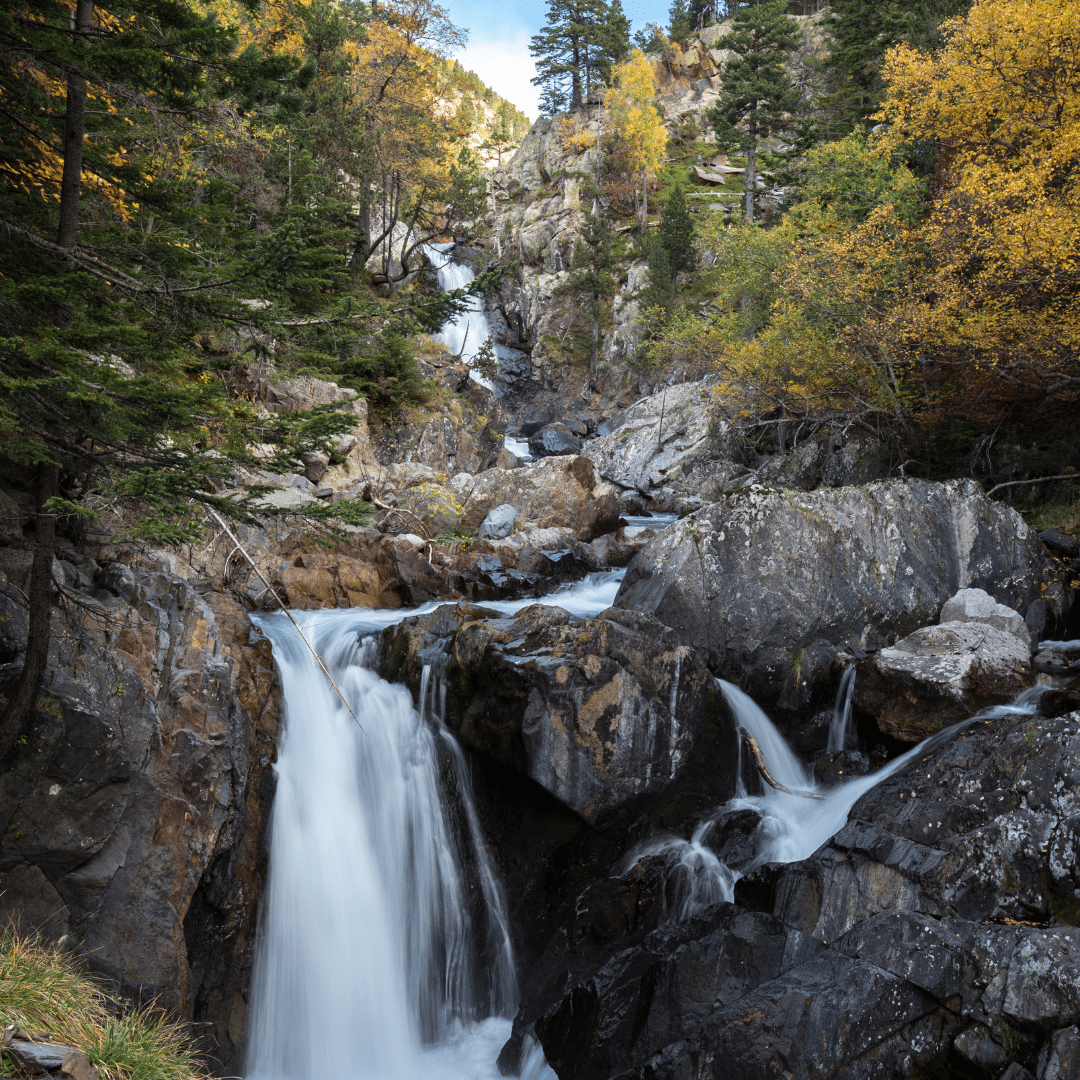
(15, 721)
(74, 131)
(751, 167)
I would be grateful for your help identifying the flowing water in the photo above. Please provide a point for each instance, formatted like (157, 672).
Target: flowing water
(376, 959)
(465, 335)
(842, 730)
(793, 826)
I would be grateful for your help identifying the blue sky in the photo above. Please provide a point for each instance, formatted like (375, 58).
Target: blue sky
(498, 49)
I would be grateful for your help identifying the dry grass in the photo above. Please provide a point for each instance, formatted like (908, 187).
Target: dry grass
(43, 990)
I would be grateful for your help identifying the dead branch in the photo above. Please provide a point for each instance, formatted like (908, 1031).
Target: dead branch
(759, 761)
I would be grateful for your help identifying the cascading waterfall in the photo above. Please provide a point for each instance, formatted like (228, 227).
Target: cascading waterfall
(841, 730)
(367, 961)
(465, 335)
(792, 826)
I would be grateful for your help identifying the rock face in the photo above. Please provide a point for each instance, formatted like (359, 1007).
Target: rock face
(771, 585)
(916, 939)
(601, 713)
(941, 674)
(140, 782)
(560, 492)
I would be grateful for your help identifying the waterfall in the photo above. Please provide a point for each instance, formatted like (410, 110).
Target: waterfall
(841, 734)
(367, 960)
(792, 826)
(465, 335)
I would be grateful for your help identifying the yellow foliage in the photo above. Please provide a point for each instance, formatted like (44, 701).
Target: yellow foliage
(1002, 99)
(638, 126)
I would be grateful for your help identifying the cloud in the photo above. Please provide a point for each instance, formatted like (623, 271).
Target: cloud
(505, 64)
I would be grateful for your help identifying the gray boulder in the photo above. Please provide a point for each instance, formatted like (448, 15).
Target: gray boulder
(941, 674)
(554, 439)
(498, 524)
(977, 606)
(773, 584)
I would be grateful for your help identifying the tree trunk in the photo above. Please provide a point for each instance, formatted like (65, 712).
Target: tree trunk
(575, 76)
(74, 131)
(751, 169)
(595, 356)
(644, 199)
(15, 721)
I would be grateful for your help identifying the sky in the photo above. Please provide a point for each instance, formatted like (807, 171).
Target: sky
(499, 32)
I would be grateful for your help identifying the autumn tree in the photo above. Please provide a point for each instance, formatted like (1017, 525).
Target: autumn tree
(1001, 98)
(576, 48)
(637, 122)
(757, 96)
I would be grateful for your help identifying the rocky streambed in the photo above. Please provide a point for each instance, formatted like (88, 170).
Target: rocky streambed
(934, 930)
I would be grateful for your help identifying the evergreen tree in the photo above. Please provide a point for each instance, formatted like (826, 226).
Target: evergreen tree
(592, 279)
(757, 95)
(575, 49)
(671, 250)
(863, 31)
(686, 16)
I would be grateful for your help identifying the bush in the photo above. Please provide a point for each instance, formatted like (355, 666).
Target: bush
(42, 989)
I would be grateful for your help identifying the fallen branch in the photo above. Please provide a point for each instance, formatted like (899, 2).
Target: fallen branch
(1038, 480)
(755, 750)
(288, 613)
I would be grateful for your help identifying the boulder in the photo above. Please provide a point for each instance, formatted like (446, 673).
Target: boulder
(602, 713)
(771, 585)
(559, 492)
(977, 606)
(660, 435)
(498, 524)
(552, 440)
(940, 675)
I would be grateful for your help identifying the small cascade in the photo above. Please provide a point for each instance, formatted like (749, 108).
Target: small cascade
(793, 826)
(502, 992)
(465, 335)
(370, 957)
(841, 730)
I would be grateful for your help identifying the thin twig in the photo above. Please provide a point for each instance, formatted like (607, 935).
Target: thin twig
(288, 613)
(1038, 480)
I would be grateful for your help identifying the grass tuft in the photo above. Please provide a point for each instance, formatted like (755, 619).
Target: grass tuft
(43, 991)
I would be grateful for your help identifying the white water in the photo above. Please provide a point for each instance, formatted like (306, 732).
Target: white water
(367, 964)
(793, 826)
(841, 730)
(465, 335)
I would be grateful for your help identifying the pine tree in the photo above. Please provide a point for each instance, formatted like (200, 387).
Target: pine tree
(593, 262)
(677, 235)
(575, 49)
(863, 31)
(757, 95)
(686, 16)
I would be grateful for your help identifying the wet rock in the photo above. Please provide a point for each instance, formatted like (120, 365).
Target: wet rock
(940, 675)
(601, 713)
(552, 493)
(857, 564)
(974, 1045)
(1061, 1058)
(831, 769)
(977, 606)
(731, 836)
(498, 524)
(1060, 543)
(1058, 702)
(552, 440)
